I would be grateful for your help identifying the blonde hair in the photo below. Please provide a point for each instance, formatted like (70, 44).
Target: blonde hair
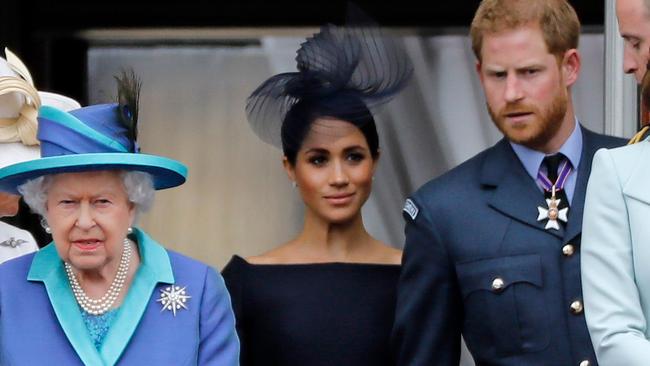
(556, 18)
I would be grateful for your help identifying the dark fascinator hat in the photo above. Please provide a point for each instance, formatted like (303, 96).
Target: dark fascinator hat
(97, 137)
(343, 72)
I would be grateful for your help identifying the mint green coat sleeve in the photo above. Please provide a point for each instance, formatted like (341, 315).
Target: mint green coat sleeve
(614, 263)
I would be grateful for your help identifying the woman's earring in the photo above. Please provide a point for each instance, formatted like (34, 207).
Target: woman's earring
(46, 226)
(129, 231)
(294, 184)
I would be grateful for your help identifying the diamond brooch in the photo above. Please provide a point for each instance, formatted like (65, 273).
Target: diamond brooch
(173, 298)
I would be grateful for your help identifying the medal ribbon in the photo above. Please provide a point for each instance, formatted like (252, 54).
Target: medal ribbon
(565, 170)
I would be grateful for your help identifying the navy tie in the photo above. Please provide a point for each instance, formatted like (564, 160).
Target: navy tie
(552, 164)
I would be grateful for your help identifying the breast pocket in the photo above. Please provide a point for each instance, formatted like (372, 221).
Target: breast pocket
(504, 304)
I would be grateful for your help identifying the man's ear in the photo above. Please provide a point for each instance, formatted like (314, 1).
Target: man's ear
(570, 67)
(479, 68)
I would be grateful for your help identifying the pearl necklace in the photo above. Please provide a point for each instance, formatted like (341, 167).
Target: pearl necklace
(102, 305)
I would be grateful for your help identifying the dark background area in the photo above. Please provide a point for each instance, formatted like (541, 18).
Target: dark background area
(44, 34)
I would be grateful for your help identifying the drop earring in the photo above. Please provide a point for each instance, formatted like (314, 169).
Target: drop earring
(45, 226)
(294, 184)
(129, 230)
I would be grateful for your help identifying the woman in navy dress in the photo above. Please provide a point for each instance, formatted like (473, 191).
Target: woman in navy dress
(327, 296)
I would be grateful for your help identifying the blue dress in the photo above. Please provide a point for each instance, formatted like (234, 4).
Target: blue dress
(98, 325)
(337, 314)
(41, 323)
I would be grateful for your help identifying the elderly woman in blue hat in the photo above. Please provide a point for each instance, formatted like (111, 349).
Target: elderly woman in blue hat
(104, 292)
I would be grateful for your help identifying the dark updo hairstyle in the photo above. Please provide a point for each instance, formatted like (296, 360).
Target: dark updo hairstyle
(347, 107)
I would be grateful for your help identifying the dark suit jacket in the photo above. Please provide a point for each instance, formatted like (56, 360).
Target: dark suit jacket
(477, 224)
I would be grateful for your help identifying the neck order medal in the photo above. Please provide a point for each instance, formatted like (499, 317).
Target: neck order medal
(552, 213)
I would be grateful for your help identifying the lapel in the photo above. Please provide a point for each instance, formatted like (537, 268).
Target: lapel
(155, 267)
(589, 148)
(514, 192)
(637, 185)
(47, 267)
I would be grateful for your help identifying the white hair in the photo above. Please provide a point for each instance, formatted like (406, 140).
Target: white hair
(138, 186)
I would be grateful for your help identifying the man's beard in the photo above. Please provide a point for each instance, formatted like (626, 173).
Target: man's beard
(545, 126)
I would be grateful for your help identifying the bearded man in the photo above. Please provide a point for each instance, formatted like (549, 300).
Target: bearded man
(493, 247)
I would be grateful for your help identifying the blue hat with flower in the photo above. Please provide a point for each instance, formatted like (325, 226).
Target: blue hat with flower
(97, 137)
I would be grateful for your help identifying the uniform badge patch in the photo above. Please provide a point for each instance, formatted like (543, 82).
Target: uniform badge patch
(411, 209)
(12, 242)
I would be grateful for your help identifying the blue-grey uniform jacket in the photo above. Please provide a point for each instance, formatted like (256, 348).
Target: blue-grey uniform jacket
(477, 262)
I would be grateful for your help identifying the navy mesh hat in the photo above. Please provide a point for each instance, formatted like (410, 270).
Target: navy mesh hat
(343, 72)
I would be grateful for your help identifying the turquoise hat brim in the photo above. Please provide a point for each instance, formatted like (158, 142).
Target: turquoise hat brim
(166, 173)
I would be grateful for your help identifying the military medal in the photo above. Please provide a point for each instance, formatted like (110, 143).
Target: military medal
(173, 298)
(552, 212)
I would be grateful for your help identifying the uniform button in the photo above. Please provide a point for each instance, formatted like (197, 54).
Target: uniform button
(497, 284)
(585, 363)
(568, 250)
(576, 308)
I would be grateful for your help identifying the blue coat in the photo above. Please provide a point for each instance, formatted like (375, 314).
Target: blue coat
(41, 323)
(616, 242)
(477, 262)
